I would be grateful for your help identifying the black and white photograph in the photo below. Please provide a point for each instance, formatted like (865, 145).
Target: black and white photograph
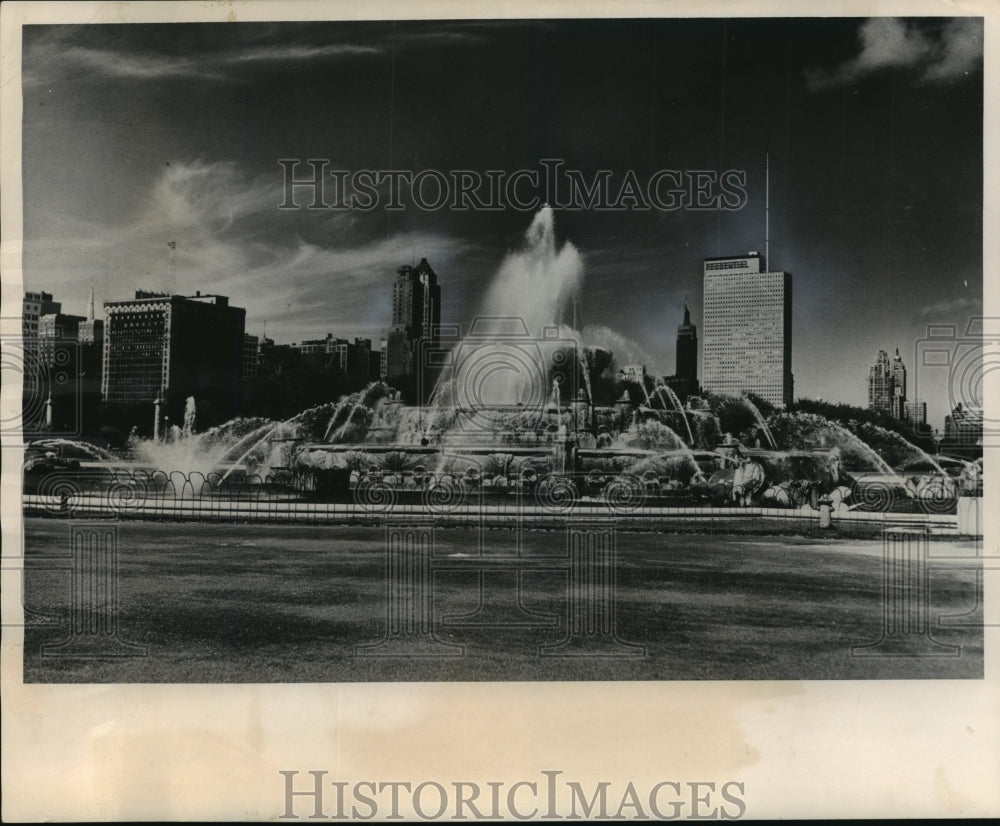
(523, 353)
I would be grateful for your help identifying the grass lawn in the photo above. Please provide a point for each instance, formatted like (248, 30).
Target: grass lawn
(280, 603)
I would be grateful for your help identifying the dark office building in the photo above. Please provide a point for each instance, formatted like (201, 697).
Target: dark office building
(251, 355)
(684, 382)
(416, 316)
(166, 346)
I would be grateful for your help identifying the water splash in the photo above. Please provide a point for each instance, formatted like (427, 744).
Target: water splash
(187, 428)
(285, 426)
(897, 451)
(72, 446)
(809, 431)
(760, 420)
(505, 359)
(585, 368)
(189, 452)
(651, 434)
(662, 388)
(369, 399)
(536, 282)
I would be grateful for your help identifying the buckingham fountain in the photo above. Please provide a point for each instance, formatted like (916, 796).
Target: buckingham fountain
(527, 404)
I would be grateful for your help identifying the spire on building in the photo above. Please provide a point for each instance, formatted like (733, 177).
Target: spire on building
(887, 385)
(687, 354)
(90, 305)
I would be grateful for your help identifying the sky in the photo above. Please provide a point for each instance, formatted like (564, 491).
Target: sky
(136, 136)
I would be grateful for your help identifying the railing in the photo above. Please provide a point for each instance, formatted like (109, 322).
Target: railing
(457, 499)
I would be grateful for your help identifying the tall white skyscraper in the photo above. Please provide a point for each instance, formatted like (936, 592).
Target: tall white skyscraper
(747, 329)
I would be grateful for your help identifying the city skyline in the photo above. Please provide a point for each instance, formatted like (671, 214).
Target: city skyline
(881, 243)
(886, 383)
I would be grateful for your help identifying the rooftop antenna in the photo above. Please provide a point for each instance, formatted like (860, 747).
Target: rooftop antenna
(173, 265)
(767, 211)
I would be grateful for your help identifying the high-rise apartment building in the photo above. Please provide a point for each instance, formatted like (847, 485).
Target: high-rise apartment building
(915, 413)
(747, 329)
(898, 386)
(416, 317)
(880, 385)
(158, 344)
(887, 386)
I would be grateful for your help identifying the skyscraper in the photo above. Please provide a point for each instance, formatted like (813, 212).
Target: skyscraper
(880, 384)
(915, 413)
(34, 306)
(416, 317)
(887, 385)
(159, 344)
(687, 349)
(684, 382)
(747, 328)
(91, 330)
(898, 387)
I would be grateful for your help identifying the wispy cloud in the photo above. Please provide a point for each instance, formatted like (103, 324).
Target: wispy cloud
(277, 54)
(888, 42)
(49, 58)
(948, 307)
(44, 62)
(231, 239)
(66, 50)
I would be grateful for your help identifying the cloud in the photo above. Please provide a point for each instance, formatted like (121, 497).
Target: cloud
(49, 58)
(231, 239)
(297, 52)
(961, 50)
(892, 43)
(146, 55)
(965, 304)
